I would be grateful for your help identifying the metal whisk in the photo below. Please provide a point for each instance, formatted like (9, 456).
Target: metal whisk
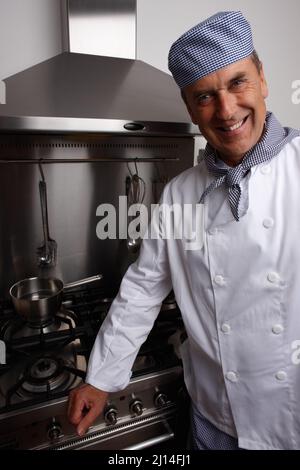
(136, 191)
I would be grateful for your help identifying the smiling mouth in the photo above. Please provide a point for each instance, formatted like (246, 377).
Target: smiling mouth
(234, 127)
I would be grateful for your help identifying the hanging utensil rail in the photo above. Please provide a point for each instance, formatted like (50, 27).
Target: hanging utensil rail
(88, 160)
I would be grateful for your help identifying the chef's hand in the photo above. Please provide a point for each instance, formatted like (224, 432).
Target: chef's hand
(85, 405)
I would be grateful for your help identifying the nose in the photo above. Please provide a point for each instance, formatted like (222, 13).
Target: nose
(225, 106)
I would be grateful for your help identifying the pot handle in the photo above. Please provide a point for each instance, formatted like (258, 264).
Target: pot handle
(81, 282)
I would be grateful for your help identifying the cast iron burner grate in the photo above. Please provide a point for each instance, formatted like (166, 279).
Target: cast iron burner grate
(73, 329)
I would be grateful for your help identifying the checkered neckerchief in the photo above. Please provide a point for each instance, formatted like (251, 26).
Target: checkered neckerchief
(274, 139)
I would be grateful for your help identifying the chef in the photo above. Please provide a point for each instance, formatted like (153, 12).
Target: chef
(238, 289)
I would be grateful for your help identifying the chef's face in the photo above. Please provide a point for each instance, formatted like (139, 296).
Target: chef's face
(229, 108)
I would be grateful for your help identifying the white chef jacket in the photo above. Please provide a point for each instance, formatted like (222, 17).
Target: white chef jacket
(239, 295)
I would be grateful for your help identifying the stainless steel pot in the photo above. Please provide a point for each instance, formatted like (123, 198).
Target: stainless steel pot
(37, 300)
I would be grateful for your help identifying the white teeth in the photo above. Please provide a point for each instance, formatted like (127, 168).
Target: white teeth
(232, 128)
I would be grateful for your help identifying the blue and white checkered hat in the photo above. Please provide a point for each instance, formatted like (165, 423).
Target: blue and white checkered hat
(218, 41)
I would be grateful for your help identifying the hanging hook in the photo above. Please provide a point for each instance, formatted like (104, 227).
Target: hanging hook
(136, 169)
(41, 169)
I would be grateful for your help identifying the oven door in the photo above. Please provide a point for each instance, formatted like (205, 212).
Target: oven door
(137, 434)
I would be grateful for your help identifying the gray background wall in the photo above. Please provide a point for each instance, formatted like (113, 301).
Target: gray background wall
(30, 33)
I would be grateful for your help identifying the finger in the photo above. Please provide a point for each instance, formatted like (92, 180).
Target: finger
(78, 404)
(88, 420)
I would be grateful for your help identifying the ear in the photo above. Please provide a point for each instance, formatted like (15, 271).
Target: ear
(185, 99)
(263, 83)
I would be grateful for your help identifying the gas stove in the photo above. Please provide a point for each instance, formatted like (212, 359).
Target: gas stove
(44, 362)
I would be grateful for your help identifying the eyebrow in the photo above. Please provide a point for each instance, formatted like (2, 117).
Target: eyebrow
(237, 76)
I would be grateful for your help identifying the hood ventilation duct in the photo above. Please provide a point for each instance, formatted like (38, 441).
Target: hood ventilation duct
(95, 27)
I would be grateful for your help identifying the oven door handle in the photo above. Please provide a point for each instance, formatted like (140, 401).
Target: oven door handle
(151, 442)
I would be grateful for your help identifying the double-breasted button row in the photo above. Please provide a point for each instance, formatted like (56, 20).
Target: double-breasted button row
(277, 329)
(281, 375)
(225, 328)
(219, 280)
(268, 222)
(273, 277)
(232, 376)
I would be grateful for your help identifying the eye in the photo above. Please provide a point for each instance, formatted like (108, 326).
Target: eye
(204, 98)
(238, 82)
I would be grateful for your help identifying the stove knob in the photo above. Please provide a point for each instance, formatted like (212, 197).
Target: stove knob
(160, 400)
(136, 407)
(111, 415)
(54, 431)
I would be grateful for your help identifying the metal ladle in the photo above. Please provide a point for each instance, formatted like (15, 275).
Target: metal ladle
(47, 253)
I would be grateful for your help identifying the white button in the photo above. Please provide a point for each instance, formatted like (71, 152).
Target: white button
(231, 376)
(219, 280)
(213, 231)
(281, 375)
(277, 329)
(265, 169)
(273, 277)
(226, 328)
(268, 222)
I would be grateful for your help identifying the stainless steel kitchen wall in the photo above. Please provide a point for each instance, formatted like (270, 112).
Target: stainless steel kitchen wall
(82, 171)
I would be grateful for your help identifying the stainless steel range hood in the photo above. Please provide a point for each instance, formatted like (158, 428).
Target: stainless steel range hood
(78, 91)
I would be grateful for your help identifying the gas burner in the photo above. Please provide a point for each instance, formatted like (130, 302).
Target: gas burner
(44, 368)
(36, 376)
(44, 374)
(16, 327)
